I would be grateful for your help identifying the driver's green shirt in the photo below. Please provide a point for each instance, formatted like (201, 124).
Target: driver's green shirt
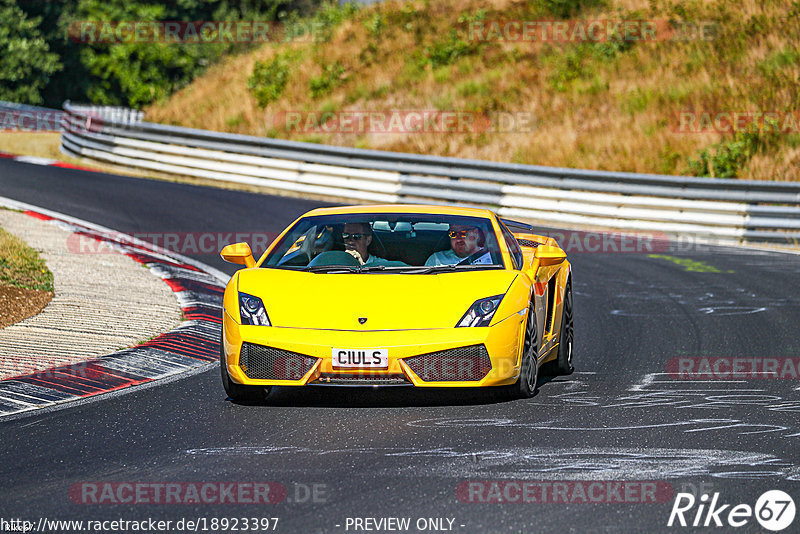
(375, 260)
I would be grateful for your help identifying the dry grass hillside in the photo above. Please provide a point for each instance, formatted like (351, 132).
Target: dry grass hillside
(611, 105)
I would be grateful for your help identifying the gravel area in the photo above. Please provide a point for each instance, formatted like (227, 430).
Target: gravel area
(17, 303)
(103, 302)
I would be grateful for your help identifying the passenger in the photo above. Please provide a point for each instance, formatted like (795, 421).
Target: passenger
(357, 238)
(464, 242)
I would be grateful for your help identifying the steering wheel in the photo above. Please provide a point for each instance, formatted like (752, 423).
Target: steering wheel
(474, 256)
(334, 258)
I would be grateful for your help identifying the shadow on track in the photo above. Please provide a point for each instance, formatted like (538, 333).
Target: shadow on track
(384, 397)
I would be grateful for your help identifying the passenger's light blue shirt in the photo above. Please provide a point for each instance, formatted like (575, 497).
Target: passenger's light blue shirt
(443, 257)
(448, 257)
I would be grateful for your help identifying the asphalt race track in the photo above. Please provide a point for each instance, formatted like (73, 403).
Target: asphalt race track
(342, 454)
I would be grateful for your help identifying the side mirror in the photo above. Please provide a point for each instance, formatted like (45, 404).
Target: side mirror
(549, 255)
(238, 253)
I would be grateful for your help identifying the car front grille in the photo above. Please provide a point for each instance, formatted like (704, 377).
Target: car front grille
(460, 364)
(362, 380)
(259, 361)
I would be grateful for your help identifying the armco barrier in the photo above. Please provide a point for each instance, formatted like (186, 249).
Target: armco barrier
(26, 118)
(743, 210)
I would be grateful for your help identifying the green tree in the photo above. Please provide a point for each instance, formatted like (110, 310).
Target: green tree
(72, 81)
(126, 73)
(138, 73)
(26, 62)
(130, 72)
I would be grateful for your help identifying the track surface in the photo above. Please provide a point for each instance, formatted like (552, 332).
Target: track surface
(401, 453)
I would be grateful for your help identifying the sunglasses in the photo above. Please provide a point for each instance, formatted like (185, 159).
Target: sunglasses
(458, 233)
(355, 237)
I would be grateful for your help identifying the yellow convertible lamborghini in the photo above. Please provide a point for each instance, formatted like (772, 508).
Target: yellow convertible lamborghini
(424, 296)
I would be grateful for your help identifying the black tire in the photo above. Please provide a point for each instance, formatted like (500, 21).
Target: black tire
(239, 392)
(566, 341)
(525, 386)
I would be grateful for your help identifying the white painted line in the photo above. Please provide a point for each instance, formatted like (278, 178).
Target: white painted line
(35, 160)
(16, 401)
(33, 397)
(700, 381)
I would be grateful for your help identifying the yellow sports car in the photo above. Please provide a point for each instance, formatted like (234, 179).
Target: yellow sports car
(410, 295)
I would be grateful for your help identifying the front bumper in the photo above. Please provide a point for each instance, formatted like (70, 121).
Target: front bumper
(501, 345)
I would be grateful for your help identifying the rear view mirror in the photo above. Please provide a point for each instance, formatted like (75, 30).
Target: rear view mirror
(549, 255)
(238, 253)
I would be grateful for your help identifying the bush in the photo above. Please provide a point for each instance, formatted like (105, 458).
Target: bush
(569, 65)
(726, 159)
(448, 50)
(375, 24)
(332, 76)
(269, 78)
(579, 61)
(565, 8)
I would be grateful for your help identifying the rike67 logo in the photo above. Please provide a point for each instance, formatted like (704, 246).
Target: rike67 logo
(774, 510)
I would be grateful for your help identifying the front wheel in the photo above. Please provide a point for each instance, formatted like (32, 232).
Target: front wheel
(525, 386)
(239, 392)
(566, 339)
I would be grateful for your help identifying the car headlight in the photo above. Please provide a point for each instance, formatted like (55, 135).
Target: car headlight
(481, 312)
(252, 310)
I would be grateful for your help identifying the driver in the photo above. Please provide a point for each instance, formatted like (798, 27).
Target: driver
(357, 238)
(464, 242)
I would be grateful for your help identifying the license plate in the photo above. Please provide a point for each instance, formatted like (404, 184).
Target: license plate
(360, 358)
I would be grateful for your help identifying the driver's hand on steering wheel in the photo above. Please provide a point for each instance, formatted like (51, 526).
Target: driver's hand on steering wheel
(356, 255)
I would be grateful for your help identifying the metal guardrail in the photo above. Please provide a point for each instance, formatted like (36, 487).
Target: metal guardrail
(110, 114)
(23, 117)
(13, 106)
(718, 208)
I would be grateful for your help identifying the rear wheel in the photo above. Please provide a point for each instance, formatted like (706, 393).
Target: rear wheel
(566, 339)
(239, 392)
(525, 387)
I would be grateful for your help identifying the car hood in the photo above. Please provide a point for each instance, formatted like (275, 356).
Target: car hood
(387, 301)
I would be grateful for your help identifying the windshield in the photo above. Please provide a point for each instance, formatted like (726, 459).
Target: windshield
(388, 242)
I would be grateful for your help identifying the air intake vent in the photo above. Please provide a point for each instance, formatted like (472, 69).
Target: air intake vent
(528, 243)
(461, 364)
(258, 361)
(362, 380)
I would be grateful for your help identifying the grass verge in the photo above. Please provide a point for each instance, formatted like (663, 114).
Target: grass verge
(607, 105)
(21, 266)
(26, 284)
